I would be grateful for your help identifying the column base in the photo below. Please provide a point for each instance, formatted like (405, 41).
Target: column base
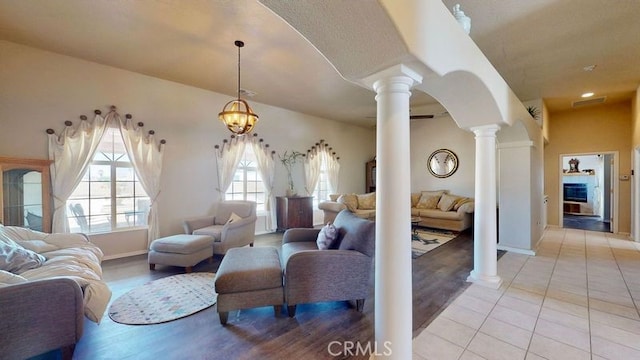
(493, 282)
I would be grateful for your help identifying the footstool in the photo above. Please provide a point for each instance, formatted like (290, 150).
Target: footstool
(180, 250)
(249, 277)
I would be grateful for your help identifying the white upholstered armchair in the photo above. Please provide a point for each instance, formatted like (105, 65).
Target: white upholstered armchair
(233, 225)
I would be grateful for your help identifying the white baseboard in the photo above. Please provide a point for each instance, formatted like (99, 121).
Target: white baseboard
(516, 250)
(123, 255)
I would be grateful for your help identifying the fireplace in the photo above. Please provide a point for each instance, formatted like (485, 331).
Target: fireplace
(575, 192)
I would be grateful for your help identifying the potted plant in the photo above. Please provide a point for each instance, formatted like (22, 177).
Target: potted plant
(288, 159)
(534, 112)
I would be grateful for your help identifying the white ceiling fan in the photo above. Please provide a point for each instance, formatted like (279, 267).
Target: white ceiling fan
(422, 116)
(428, 116)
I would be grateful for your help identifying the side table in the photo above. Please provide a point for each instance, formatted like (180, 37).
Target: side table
(294, 212)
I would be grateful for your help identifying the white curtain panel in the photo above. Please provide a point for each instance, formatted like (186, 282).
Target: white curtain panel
(71, 153)
(312, 164)
(228, 157)
(146, 156)
(333, 170)
(267, 169)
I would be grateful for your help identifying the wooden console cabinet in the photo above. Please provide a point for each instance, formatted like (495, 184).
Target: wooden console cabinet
(294, 212)
(25, 193)
(370, 176)
(576, 208)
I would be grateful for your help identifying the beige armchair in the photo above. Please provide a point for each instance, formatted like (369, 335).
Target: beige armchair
(226, 234)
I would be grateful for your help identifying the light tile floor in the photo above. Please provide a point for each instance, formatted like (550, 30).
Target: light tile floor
(578, 298)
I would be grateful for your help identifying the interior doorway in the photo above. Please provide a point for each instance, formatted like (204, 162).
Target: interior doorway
(587, 191)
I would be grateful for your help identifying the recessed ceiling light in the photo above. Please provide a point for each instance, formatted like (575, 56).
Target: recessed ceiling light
(587, 94)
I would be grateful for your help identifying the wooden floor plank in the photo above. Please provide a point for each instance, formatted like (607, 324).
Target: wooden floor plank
(438, 277)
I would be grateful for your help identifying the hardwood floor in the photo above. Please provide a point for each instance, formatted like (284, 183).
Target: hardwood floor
(438, 277)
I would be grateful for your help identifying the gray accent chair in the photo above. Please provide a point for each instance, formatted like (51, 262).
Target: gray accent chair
(40, 316)
(344, 273)
(226, 235)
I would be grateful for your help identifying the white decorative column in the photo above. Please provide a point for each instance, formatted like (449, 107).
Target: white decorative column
(393, 286)
(485, 259)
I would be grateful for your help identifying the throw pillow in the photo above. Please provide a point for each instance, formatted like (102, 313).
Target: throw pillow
(460, 202)
(350, 200)
(429, 199)
(334, 197)
(415, 197)
(356, 233)
(367, 201)
(447, 202)
(327, 237)
(16, 259)
(233, 217)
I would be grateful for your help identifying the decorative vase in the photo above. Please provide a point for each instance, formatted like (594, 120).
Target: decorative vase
(291, 192)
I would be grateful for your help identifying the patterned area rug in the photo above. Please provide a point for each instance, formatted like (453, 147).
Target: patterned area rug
(425, 240)
(165, 299)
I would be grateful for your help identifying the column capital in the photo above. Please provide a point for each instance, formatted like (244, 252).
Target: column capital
(485, 130)
(396, 74)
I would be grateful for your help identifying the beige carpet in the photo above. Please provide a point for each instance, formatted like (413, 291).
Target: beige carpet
(165, 299)
(425, 240)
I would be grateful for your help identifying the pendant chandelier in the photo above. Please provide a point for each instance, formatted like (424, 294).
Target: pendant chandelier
(237, 114)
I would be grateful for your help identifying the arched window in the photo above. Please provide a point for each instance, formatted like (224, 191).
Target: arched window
(246, 171)
(321, 172)
(247, 182)
(109, 195)
(321, 192)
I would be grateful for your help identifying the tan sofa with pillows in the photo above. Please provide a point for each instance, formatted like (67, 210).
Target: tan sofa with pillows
(441, 210)
(362, 205)
(436, 209)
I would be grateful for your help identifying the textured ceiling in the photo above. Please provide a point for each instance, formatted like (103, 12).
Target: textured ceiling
(539, 47)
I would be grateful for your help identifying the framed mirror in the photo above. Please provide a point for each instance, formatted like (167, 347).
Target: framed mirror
(442, 163)
(25, 193)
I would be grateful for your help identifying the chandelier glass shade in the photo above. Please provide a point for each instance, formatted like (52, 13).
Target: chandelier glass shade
(237, 115)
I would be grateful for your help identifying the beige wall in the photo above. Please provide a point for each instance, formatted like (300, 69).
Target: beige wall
(591, 129)
(635, 124)
(40, 90)
(429, 135)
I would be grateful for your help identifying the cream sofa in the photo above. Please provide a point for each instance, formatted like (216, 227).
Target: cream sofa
(436, 209)
(48, 284)
(441, 210)
(362, 205)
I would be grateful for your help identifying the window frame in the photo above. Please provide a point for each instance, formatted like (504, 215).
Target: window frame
(245, 166)
(322, 187)
(114, 161)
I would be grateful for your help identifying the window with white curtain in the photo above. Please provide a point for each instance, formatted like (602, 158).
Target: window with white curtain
(321, 192)
(247, 183)
(109, 196)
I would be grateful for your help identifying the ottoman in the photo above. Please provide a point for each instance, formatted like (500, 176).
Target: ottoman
(249, 277)
(180, 250)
